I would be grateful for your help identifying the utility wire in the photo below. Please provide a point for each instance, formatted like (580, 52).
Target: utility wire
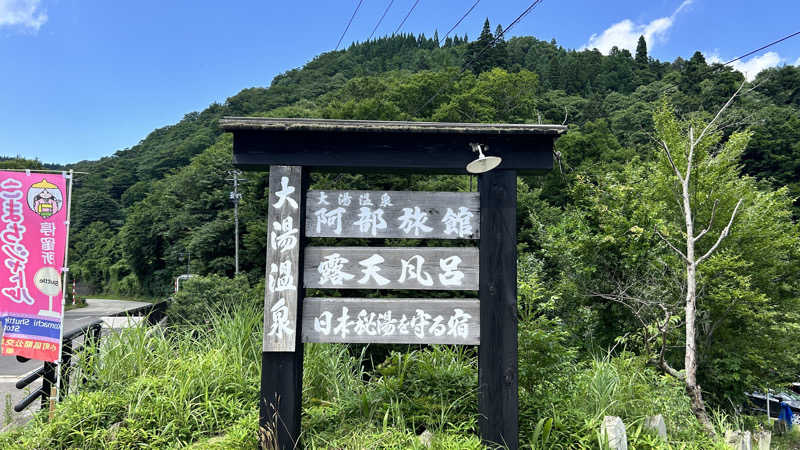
(762, 48)
(459, 21)
(406, 17)
(348, 24)
(381, 19)
(715, 68)
(475, 58)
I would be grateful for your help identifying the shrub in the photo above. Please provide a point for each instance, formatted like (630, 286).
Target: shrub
(200, 295)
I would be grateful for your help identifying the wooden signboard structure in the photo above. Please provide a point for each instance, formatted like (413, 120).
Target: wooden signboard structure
(290, 149)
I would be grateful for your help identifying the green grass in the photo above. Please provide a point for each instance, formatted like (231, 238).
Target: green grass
(196, 386)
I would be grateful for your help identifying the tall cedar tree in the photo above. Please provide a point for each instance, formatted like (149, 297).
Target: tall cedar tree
(643, 73)
(693, 74)
(641, 53)
(479, 56)
(500, 49)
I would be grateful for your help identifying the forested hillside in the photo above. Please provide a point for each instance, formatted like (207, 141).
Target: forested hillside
(586, 229)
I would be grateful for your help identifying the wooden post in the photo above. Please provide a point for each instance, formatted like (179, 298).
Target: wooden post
(282, 356)
(497, 355)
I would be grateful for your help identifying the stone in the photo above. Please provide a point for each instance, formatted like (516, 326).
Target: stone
(614, 431)
(738, 440)
(425, 438)
(762, 440)
(657, 425)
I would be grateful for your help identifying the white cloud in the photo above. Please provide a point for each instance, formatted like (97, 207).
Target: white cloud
(625, 34)
(24, 13)
(752, 66)
(797, 63)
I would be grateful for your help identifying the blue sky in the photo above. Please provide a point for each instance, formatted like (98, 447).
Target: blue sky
(80, 79)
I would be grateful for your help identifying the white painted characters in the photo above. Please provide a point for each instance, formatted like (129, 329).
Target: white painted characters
(370, 221)
(330, 219)
(283, 235)
(411, 269)
(445, 215)
(281, 278)
(371, 269)
(414, 220)
(458, 223)
(331, 270)
(376, 323)
(335, 270)
(280, 326)
(284, 194)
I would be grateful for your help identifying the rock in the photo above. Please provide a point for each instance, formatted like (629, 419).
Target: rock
(425, 438)
(614, 431)
(739, 440)
(657, 424)
(762, 440)
(113, 430)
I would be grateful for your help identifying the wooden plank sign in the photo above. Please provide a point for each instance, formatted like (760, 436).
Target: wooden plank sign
(429, 268)
(283, 252)
(491, 322)
(392, 321)
(393, 214)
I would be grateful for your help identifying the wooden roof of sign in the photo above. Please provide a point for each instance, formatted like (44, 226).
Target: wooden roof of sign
(355, 145)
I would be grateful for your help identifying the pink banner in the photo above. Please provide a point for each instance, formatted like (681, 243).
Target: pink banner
(33, 234)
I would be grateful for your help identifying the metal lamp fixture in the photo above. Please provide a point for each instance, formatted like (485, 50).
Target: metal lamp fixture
(483, 163)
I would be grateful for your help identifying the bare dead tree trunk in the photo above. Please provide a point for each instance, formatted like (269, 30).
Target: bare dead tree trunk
(691, 261)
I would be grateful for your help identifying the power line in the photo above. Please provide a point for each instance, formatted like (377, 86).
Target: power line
(715, 68)
(348, 24)
(406, 17)
(466, 64)
(762, 48)
(381, 19)
(459, 21)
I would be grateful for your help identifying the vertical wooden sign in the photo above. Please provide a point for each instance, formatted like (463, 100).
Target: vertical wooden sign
(283, 257)
(282, 356)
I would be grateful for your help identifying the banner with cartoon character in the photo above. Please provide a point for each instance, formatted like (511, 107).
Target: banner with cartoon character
(33, 233)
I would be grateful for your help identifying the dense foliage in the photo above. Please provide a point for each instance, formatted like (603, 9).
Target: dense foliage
(587, 229)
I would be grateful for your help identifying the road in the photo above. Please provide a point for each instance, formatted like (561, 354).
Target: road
(11, 369)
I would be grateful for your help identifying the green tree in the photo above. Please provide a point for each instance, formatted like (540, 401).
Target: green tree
(624, 262)
(480, 56)
(642, 60)
(693, 74)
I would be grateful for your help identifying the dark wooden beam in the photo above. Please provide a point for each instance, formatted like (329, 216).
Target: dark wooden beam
(497, 355)
(367, 145)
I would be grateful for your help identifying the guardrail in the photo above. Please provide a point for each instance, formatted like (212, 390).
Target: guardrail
(154, 313)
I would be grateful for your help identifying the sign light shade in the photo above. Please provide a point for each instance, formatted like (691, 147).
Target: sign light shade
(483, 163)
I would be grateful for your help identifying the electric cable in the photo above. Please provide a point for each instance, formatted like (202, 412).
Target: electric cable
(762, 48)
(348, 24)
(459, 21)
(381, 19)
(475, 58)
(716, 68)
(406, 17)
